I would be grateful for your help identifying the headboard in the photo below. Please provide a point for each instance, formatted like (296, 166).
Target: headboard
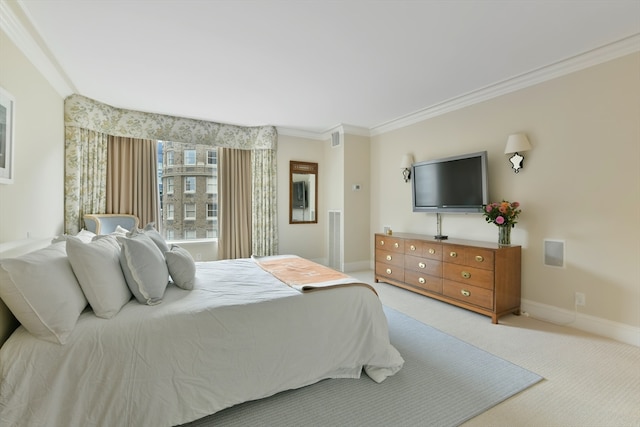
(8, 323)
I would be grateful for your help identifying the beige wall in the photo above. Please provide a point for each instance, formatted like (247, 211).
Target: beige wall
(33, 204)
(580, 183)
(356, 234)
(305, 240)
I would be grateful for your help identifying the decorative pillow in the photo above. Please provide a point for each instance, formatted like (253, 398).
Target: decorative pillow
(97, 267)
(151, 231)
(144, 267)
(42, 292)
(84, 235)
(182, 267)
(120, 231)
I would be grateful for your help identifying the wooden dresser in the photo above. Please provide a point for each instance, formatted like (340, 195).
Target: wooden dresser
(479, 276)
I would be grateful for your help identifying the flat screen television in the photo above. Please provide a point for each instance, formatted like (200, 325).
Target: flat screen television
(452, 184)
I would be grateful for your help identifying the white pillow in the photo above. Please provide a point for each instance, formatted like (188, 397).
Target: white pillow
(119, 231)
(151, 231)
(42, 292)
(84, 235)
(144, 267)
(182, 267)
(97, 267)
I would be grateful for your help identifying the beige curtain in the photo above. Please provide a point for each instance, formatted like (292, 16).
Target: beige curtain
(234, 197)
(132, 178)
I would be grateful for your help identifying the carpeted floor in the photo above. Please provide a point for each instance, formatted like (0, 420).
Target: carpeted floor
(444, 382)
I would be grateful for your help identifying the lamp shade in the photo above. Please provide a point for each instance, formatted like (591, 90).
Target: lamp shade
(407, 161)
(517, 142)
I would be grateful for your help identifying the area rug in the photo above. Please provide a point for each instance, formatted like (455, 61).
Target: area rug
(444, 382)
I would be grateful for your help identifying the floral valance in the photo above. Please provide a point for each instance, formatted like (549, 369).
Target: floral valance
(86, 113)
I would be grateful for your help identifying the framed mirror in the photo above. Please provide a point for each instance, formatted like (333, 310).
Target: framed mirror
(303, 192)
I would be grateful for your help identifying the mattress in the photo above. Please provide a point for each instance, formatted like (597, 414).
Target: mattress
(241, 334)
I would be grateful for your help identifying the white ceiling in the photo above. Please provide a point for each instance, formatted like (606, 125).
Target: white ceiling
(312, 65)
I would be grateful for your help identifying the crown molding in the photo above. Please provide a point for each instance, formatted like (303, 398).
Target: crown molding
(326, 135)
(11, 24)
(593, 57)
(300, 133)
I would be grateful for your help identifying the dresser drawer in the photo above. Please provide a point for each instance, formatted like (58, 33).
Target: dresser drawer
(390, 271)
(392, 258)
(468, 293)
(389, 243)
(468, 275)
(469, 255)
(423, 249)
(424, 281)
(423, 265)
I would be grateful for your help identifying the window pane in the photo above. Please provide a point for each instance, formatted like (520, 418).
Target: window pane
(190, 211)
(189, 184)
(189, 157)
(188, 191)
(169, 185)
(212, 157)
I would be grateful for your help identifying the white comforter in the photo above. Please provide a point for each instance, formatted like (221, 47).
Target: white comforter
(239, 335)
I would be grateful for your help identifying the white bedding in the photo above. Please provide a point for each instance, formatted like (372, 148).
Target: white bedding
(239, 335)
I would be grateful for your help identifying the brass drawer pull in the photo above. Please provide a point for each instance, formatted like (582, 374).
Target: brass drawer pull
(466, 274)
(395, 245)
(465, 292)
(389, 257)
(421, 280)
(422, 265)
(479, 258)
(432, 251)
(388, 271)
(412, 247)
(453, 254)
(381, 242)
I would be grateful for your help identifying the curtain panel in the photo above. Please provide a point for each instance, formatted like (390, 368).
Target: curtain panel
(234, 195)
(85, 179)
(84, 115)
(131, 173)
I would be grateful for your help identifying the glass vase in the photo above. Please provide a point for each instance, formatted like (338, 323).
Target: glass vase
(504, 235)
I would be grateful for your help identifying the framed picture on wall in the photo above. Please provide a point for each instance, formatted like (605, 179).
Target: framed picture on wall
(7, 121)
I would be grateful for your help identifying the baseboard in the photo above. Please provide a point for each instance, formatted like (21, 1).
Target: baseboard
(584, 322)
(357, 266)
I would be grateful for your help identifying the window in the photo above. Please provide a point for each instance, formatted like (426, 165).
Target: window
(212, 210)
(212, 157)
(190, 211)
(190, 157)
(212, 184)
(189, 203)
(169, 213)
(189, 184)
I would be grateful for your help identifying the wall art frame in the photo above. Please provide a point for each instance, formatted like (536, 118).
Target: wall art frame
(7, 140)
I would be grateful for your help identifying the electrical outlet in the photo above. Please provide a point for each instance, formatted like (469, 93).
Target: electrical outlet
(581, 299)
(386, 229)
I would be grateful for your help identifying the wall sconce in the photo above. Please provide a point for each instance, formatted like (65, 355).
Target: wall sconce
(405, 165)
(518, 142)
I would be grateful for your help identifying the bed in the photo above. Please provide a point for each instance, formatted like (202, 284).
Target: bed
(245, 330)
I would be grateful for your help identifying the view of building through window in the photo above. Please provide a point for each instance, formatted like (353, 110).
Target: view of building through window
(188, 187)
